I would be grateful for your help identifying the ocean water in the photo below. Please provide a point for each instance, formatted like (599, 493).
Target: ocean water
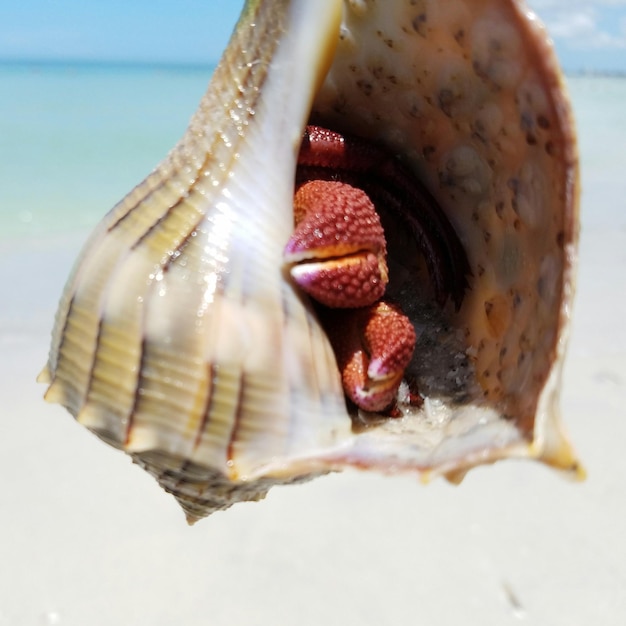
(74, 138)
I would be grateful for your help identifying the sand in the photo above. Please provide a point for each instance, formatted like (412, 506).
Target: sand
(88, 539)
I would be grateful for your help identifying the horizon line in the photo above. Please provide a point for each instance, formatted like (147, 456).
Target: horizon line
(204, 65)
(135, 63)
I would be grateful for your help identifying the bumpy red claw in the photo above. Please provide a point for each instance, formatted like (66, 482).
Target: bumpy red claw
(373, 346)
(338, 247)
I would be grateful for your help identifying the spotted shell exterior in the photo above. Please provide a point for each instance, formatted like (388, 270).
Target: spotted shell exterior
(180, 337)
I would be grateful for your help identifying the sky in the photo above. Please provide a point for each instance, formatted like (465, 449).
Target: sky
(589, 35)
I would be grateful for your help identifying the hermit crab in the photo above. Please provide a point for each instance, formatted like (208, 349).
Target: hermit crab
(412, 316)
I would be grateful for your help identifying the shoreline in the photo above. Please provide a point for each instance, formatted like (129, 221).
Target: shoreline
(102, 64)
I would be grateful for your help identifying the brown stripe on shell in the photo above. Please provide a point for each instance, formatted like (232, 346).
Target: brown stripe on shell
(236, 423)
(138, 389)
(206, 413)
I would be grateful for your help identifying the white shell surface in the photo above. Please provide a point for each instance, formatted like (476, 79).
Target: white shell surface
(181, 340)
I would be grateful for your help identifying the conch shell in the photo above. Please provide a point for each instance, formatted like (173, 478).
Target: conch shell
(180, 337)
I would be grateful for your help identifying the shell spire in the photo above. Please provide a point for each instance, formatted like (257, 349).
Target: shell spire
(180, 337)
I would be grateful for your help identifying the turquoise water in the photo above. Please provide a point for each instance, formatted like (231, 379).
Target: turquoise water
(75, 138)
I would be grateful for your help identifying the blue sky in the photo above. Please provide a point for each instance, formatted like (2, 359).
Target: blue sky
(589, 34)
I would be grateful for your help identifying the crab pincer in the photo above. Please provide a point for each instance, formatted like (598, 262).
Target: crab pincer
(373, 346)
(338, 247)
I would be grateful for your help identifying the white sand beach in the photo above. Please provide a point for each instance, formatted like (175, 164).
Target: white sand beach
(89, 539)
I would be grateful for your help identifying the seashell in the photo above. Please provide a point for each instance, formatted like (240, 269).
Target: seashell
(180, 337)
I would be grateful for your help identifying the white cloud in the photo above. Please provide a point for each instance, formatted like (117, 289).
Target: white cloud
(565, 5)
(579, 23)
(572, 25)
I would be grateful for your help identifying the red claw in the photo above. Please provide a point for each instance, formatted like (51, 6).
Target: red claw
(338, 247)
(373, 346)
(328, 155)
